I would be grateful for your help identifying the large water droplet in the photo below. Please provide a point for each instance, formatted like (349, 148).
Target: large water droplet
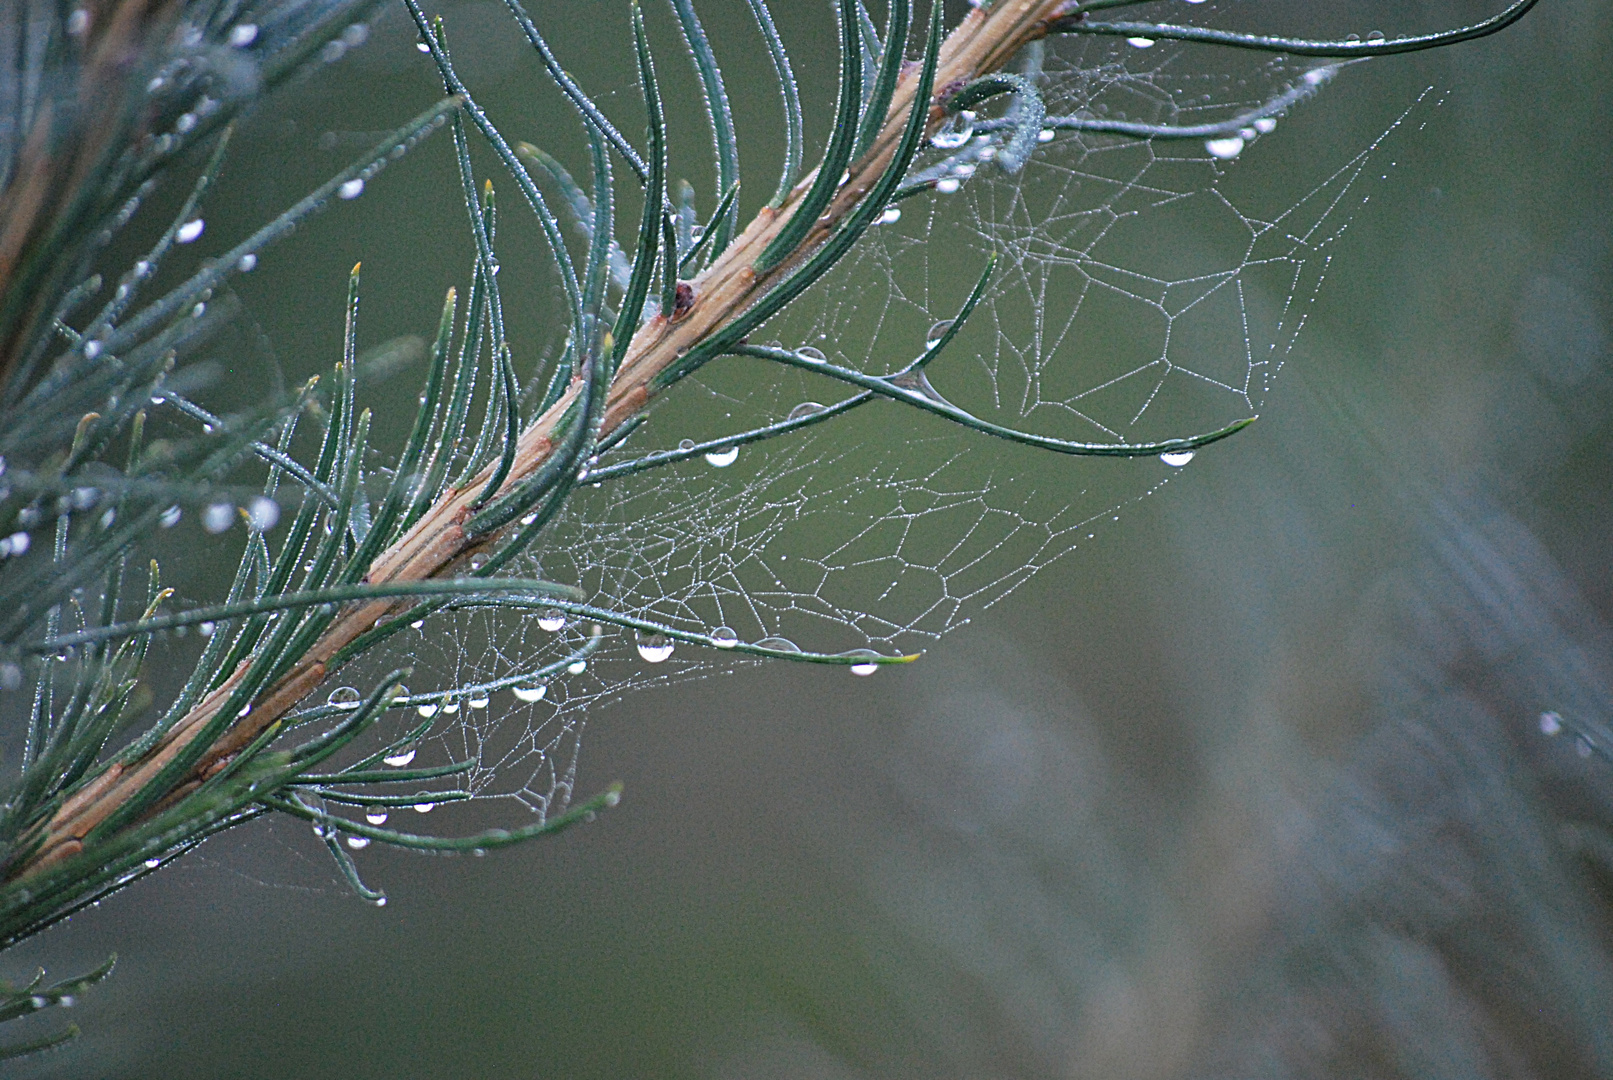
(262, 513)
(724, 638)
(891, 216)
(577, 667)
(655, 648)
(1176, 458)
(190, 230)
(424, 807)
(478, 702)
(243, 34)
(936, 333)
(428, 710)
(947, 185)
(957, 130)
(345, 697)
(376, 816)
(352, 189)
(400, 759)
(778, 644)
(807, 352)
(1266, 125)
(218, 517)
(1550, 723)
(529, 694)
(358, 843)
(806, 408)
(723, 458)
(247, 263)
(551, 620)
(152, 864)
(169, 517)
(1225, 149)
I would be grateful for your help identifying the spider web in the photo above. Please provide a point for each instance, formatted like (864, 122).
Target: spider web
(1135, 298)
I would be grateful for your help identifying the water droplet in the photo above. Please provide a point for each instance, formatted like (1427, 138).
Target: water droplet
(356, 34)
(1045, 135)
(807, 352)
(17, 543)
(422, 46)
(450, 707)
(685, 444)
(577, 667)
(417, 624)
(358, 843)
(655, 648)
(778, 644)
(806, 408)
(551, 620)
(243, 35)
(1176, 458)
(867, 668)
(891, 215)
(947, 185)
(190, 230)
(721, 459)
(170, 517)
(207, 628)
(1317, 76)
(152, 864)
(352, 189)
(529, 518)
(478, 702)
(92, 349)
(186, 123)
(1140, 42)
(424, 807)
(345, 697)
(724, 638)
(376, 816)
(957, 130)
(1266, 125)
(400, 759)
(936, 333)
(218, 517)
(1225, 149)
(38, 1002)
(78, 22)
(247, 263)
(1582, 746)
(1550, 723)
(262, 513)
(428, 710)
(529, 694)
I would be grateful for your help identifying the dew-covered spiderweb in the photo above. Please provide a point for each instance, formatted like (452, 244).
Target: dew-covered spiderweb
(1143, 290)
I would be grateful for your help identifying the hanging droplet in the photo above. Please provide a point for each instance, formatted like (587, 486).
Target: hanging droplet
(1266, 125)
(190, 230)
(778, 644)
(218, 517)
(478, 702)
(577, 667)
(1226, 149)
(400, 759)
(724, 638)
(352, 189)
(424, 807)
(936, 333)
(529, 694)
(422, 46)
(957, 130)
(865, 668)
(247, 263)
(947, 185)
(417, 624)
(428, 710)
(152, 864)
(344, 697)
(655, 648)
(806, 408)
(1176, 458)
(207, 628)
(376, 816)
(551, 620)
(807, 352)
(243, 34)
(450, 707)
(1140, 42)
(891, 216)
(169, 517)
(1550, 723)
(358, 843)
(1045, 135)
(721, 459)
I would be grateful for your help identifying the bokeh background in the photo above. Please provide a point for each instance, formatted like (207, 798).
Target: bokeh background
(1253, 787)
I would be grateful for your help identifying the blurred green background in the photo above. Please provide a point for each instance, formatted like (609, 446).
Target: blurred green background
(1253, 786)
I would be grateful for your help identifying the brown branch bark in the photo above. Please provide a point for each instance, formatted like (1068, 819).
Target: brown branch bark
(985, 40)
